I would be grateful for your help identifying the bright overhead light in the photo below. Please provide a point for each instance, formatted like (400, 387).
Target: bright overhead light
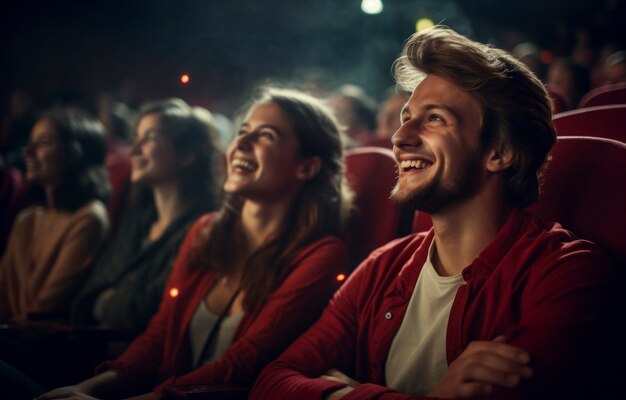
(372, 6)
(423, 23)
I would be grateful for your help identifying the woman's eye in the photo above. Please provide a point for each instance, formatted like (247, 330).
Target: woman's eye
(435, 118)
(41, 142)
(267, 134)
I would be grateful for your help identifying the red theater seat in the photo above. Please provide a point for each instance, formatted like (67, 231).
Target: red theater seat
(119, 176)
(600, 121)
(585, 190)
(371, 173)
(605, 95)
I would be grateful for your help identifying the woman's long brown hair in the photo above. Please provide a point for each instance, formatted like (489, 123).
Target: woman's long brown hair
(320, 208)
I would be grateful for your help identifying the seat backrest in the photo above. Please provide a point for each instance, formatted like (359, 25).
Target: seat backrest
(584, 189)
(600, 121)
(371, 173)
(380, 142)
(604, 95)
(119, 177)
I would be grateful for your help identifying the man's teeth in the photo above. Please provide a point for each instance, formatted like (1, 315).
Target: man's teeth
(417, 164)
(242, 164)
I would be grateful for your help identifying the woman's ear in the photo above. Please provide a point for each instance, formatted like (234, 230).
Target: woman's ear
(500, 157)
(308, 168)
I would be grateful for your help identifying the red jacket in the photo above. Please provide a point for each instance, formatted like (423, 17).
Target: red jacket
(162, 352)
(534, 283)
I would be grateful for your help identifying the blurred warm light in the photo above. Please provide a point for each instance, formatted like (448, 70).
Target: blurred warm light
(423, 23)
(173, 292)
(341, 277)
(184, 79)
(372, 6)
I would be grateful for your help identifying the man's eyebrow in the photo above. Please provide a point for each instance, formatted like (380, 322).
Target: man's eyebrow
(430, 107)
(448, 110)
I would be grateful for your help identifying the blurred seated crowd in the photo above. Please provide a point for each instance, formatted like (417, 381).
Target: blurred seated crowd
(147, 221)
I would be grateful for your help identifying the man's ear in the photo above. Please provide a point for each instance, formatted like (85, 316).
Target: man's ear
(500, 157)
(308, 168)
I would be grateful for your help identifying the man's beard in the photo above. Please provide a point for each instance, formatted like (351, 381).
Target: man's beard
(437, 195)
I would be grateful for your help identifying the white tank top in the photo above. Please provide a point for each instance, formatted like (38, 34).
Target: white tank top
(200, 327)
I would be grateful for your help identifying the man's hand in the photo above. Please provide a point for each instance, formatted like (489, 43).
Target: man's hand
(336, 375)
(482, 366)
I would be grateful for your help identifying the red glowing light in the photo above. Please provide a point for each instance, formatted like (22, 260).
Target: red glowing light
(341, 277)
(184, 79)
(546, 56)
(173, 292)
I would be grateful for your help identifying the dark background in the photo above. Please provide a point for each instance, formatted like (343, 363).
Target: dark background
(137, 49)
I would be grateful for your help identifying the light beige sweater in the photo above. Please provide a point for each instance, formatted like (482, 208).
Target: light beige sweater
(47, 259)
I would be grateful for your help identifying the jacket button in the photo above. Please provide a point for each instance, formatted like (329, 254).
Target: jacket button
(374, 366)
(388, 315)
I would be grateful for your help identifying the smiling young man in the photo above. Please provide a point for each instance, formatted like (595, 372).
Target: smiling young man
(490, 302)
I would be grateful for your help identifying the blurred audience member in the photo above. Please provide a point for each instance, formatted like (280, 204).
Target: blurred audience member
(615, 71)
(174, 158)
(569, 80)
(388, 117)
(356, 113)
(225, 129)
(11, 180)
(251, 278)
(50, 245)
(529, 54)
(118, 120)
(16, 127)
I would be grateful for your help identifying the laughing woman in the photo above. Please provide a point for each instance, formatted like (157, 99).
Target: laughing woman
(174, 161)
(251, 278)
(51, 243)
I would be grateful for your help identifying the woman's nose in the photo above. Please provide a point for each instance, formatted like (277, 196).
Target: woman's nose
(244, 142)
(29, 150)
(134, 147)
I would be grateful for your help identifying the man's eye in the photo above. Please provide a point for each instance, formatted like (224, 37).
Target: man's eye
(435, 117)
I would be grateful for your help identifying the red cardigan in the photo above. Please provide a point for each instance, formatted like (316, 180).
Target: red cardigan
(162, 352)
(535, 283)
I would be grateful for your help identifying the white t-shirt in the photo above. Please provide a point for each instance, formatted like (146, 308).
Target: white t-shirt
(417, 357)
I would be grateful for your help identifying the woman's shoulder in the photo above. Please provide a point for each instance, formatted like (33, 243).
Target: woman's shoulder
(95, 211)
(26, 219)
(202, 224)
(325, 247)
(28, 213)
(199, 230)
